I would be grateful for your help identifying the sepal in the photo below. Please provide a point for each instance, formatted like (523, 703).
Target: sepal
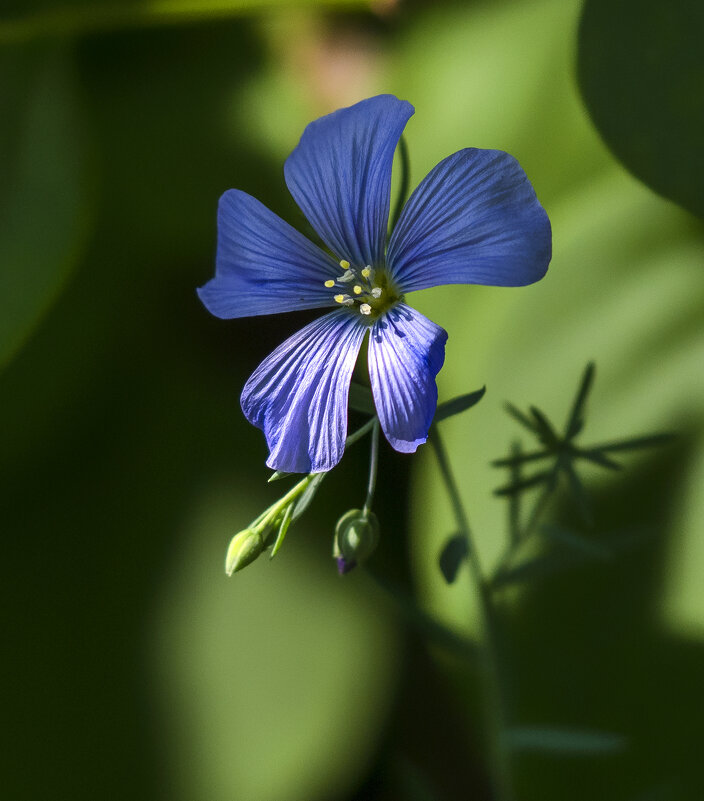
(356, 538)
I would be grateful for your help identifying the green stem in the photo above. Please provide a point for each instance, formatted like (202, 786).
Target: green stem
(495, 707)
(360, 432)
(269, 515)
(373, 461)
(405, 181)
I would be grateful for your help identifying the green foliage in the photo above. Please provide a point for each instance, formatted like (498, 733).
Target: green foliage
(563, 448)
(640, 67)
(459, 404)
(125, 456)
(565, 454)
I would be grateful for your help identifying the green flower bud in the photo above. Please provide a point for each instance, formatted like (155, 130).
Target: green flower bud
(244, 548)
(356, 537)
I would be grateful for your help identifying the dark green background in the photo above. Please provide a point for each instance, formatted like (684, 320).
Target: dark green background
(134, 668)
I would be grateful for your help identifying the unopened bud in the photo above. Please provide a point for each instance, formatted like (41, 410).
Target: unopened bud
(356, 537)
(244, 548)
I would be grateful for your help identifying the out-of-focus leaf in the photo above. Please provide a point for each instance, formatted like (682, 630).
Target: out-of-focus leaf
(44, 214)
(576, 418)
(454, 552)
(641, 67)
(568, 742)
(69, 20)
(459, 404)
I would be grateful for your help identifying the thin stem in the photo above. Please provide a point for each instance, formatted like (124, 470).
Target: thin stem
(373, 462)
(270, 514)
(494, 710)
(266, 518)
(405, 181)
(360, 432)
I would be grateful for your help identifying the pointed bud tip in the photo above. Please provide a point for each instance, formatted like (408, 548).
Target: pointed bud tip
(244, 548)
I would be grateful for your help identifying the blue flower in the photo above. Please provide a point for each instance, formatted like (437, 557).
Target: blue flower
(474, 219)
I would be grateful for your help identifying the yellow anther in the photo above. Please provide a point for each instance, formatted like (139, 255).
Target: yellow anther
(330, 283)
(357, 289)
(365, 308)
(366, 272)
(345, 264)
(339, 298)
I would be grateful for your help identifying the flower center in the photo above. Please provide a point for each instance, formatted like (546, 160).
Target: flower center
(368, 291)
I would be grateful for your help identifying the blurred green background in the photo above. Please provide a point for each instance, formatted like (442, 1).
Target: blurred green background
(134, 668)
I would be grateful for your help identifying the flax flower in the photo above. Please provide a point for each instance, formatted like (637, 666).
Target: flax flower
(474, 219)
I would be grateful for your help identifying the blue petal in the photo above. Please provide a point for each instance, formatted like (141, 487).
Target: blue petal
(340, 175)
(406, 352)
(474, 219)
(298, 394)
(263, 265)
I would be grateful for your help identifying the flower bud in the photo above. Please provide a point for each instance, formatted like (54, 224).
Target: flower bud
(244, 548)
(356, 537)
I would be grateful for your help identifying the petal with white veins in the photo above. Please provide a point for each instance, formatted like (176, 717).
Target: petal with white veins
(298, 394)
(406, 352)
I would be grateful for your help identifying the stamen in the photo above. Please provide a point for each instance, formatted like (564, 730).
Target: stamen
(347, 277)
(376, 292)
(365, 308)
(367, 271)
(357, 289)
(345, 264)
(345, 300)
(330, 283)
